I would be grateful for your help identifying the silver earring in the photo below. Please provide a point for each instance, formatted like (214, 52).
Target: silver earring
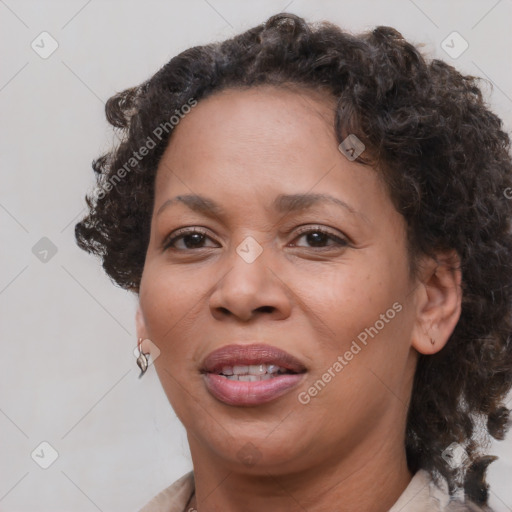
(142, 360)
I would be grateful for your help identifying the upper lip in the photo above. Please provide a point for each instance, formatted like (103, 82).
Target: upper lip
(231, 355)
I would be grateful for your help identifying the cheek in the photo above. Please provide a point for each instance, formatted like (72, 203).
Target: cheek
(169, 301)
(350, 297)
(364, 304)
(372, 325)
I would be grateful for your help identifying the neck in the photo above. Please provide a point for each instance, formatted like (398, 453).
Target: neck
(366, 482)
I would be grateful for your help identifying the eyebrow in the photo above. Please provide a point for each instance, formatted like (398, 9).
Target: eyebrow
(283, 203)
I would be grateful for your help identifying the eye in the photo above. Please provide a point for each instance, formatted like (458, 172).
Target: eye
(319, 237)
(190, 238)
(195, 238)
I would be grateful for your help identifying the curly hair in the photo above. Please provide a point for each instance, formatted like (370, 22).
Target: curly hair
(444, 157)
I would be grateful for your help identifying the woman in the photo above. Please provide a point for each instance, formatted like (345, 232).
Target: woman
(317, 229)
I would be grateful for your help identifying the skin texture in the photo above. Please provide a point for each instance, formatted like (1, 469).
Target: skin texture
(242, 148)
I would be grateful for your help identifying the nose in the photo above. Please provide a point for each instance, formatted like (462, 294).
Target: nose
(249, 290)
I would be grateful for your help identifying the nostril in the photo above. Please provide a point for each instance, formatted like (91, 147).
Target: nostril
(265, 309)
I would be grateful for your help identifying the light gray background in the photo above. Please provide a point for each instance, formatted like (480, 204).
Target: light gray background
(68, 373)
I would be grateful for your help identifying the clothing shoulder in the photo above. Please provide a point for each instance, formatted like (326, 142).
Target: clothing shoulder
(173, 498)
(459, 506)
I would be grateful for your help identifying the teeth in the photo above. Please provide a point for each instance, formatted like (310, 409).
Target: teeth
(253, 372)
(257, 369)
(240, 370)
(249, 378)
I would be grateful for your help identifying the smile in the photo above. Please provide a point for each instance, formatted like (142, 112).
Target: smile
(249, 375)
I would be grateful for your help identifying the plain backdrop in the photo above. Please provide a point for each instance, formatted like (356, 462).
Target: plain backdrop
(68, 375)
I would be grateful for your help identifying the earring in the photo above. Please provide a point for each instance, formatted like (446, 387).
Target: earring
(433, 341)
(142, 360)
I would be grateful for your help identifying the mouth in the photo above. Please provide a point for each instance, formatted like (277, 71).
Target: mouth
(248, 375)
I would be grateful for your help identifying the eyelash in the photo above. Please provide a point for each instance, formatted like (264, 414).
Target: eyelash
(340, 242)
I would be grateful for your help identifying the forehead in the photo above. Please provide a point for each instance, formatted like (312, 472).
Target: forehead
(262, 139)
(256, 128)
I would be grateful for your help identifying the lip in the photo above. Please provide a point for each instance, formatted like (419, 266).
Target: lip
(238, 393)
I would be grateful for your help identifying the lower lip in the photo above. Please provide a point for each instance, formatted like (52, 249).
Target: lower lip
(239, 393)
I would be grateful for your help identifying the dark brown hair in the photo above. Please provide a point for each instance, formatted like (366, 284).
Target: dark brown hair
(444, 157)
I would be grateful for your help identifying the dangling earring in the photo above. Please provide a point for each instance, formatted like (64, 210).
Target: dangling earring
(142, 360)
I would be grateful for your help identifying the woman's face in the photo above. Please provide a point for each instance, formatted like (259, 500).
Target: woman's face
(298, 276)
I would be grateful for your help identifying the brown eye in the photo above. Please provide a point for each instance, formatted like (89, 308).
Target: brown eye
(317, 237)
(188, 239)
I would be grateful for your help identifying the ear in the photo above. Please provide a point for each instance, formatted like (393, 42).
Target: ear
(438, 302)
(140, 323)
